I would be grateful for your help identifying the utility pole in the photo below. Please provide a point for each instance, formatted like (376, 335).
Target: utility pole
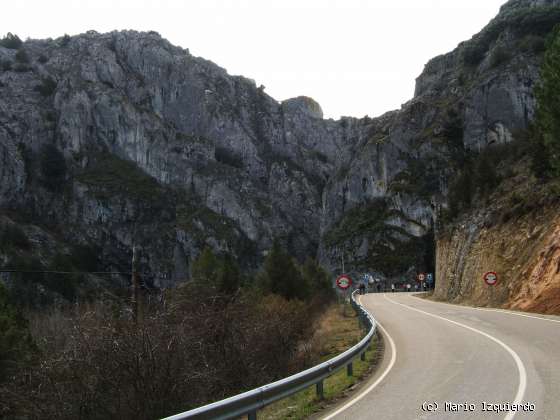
(135, 285)
(343, 272)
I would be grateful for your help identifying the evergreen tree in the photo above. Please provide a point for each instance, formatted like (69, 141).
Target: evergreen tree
(316, 278)
(229, 276)
(281, 276)
(486, 175)
(548, 104)
(205, 268)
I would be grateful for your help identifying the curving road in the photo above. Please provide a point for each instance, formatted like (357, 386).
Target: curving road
(437, 353)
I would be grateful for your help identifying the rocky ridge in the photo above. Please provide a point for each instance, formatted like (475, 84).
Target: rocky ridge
(167, 150)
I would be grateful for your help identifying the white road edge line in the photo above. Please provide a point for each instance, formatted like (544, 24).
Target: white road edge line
(377, 382)
(520, 367)
(504, 311)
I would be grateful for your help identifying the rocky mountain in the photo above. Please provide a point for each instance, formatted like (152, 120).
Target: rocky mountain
(112, 139)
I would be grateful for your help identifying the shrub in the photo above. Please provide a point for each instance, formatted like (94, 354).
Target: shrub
(6, 65)
(22, 57)
(47, 87)
(65, 285)
(21, 68)
(532, 43)
(13, 235)
(499, 56)
(85, 257)
(197, 348)
(65, 40)
(11, 41)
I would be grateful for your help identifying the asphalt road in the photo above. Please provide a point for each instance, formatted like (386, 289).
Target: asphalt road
(437, 353)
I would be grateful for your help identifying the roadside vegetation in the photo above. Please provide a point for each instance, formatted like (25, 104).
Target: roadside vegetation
(337, 330)
(214, 336)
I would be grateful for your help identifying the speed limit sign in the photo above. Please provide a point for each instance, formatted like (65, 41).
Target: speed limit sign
(491, 278)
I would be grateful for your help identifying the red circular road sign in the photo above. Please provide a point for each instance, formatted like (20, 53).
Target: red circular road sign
(344, 282)
(421, 277)
(491, 278)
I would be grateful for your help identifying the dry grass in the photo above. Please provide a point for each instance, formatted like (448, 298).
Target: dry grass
(336, 331)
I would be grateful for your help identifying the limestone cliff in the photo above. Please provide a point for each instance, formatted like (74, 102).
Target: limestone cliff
(158, 147)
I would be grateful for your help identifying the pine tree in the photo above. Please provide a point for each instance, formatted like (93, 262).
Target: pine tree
(205, 268)
(316, 278)
(486, 175)
(229, 276)
(548, 103)
(281, 276)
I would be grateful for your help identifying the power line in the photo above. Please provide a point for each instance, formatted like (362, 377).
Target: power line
(64, 272)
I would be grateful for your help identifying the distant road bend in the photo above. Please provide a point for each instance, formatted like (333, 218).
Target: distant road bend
(452, 362)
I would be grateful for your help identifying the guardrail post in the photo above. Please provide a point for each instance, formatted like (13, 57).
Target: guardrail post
(363, 356)
(252, 415)
(319, 388)
(349, 369)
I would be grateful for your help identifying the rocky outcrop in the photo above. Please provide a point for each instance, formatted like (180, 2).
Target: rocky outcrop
(168, 150)
(528, 277)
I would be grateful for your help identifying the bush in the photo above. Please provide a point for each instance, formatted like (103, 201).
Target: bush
(499, 56)
(66, 285)
(22, 57)
(47, 87)
(25, 291)
(65, 40)
(532, 43)
(21, 68)
(85, 257)
(13, 235)
(11, 41)
(6, 65)
(197, 348)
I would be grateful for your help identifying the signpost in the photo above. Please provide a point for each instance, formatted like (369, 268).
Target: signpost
(343, 282)
(491, 278)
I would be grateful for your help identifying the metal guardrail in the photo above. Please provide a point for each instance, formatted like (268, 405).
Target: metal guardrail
(250, 402)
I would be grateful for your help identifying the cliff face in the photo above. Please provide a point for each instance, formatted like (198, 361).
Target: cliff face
(477, 95)
(161, 148)
(167, 150)
(517, 238)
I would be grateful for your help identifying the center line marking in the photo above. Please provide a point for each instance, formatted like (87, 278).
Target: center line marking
(520, 367)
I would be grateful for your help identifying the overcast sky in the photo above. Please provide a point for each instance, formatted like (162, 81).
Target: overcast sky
(355, 57)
